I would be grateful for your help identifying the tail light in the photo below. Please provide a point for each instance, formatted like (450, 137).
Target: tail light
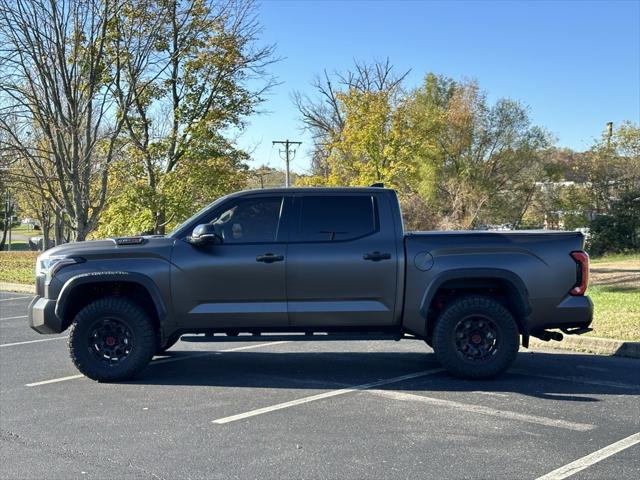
(582, 272)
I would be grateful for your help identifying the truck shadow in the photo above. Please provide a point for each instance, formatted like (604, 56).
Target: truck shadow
(553, 376)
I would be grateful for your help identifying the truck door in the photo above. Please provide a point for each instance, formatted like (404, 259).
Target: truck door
(240, 282)
(341, 261)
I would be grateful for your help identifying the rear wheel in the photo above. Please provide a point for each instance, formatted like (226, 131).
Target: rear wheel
(476, 337)
(112, 339)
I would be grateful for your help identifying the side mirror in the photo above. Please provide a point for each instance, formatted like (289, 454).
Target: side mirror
(204, 234)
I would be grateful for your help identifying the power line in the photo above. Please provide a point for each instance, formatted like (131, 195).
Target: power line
(289, 154)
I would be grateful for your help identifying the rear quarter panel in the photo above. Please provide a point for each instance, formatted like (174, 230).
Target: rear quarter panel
(539, 261)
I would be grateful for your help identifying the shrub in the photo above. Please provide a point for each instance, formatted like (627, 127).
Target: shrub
(619, 231)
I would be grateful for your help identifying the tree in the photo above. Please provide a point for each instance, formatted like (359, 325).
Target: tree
(58, 105)
(619, 231)
(447, 151)
(196, 89)
(612, 166)
(324, 116)
(485, 158)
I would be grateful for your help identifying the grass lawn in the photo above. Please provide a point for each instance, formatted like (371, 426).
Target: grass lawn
(615, 291)
(616, 258)
(617, 313)
(18, 267)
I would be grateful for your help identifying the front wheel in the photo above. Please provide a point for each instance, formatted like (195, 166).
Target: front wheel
(476, 337)
(112, 339)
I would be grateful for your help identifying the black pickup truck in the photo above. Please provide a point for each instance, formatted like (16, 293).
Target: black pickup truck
(312, 264)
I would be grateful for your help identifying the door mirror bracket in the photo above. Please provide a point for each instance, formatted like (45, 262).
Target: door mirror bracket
(204, 234)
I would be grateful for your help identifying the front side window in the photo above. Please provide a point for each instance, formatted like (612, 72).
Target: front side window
(333, 218)
(253, 220)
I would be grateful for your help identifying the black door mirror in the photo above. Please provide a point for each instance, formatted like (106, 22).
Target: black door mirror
(204, 234)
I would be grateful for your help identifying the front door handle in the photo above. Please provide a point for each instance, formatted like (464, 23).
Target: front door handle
(269, 258)
(376, 256)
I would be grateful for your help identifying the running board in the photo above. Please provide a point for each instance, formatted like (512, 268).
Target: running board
(294, 337)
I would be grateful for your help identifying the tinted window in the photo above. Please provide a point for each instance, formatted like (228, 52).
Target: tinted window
(249, 221)
(331, 218)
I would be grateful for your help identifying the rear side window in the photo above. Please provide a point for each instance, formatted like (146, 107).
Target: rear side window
(335, 218)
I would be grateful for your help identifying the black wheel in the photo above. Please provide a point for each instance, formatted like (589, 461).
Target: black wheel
(170, 343)
(111, 339)
(476, 337)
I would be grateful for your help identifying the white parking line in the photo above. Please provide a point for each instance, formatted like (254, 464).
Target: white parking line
(600, 383)
(55, 380)
(592, 458)
(13, 318)
(32, 341)
(13, 298)
(481, 409)
(321, 396)
(202, 354)
(163, 360)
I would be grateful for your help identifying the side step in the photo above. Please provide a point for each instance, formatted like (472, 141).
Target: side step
(294, 337)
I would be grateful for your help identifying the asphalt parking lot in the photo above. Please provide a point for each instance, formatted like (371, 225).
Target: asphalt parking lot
(311, 410)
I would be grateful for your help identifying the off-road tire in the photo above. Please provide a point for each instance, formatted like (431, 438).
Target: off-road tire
(133, 319)
(461, 324)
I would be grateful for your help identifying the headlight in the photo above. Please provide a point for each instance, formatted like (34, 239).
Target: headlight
(48, 266)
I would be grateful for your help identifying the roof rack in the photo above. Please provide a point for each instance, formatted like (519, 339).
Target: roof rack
(377, 185)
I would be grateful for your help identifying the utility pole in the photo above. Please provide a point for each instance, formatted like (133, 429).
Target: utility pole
(288, 156)
(609, 133)
(7, 219)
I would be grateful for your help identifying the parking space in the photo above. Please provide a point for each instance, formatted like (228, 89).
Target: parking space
(309, 410)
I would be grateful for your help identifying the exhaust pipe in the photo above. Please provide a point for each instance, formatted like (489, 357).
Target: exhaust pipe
(546, 335)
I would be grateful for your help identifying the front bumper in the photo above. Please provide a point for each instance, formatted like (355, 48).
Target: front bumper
(42, 316)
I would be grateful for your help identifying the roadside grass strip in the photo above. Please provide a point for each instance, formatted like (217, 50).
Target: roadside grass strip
(322, 396)
(482, 410)
(591, 459)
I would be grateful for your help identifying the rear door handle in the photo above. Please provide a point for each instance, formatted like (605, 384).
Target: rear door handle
(376, 256)
(269, 258)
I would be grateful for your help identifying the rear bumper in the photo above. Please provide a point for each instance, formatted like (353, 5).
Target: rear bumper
(42, 316)
(572, 312)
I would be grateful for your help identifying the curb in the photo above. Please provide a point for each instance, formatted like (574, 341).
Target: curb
(17, 287)
(595, 345)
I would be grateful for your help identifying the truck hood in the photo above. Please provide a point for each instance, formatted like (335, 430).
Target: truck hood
(109, 248)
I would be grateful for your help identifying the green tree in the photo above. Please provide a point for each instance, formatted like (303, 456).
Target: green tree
(612, 166)
(58, 82)
(200, 85)
(449, 153)
(619, 231)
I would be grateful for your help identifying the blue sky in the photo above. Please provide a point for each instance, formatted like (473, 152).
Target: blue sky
(576, 65)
